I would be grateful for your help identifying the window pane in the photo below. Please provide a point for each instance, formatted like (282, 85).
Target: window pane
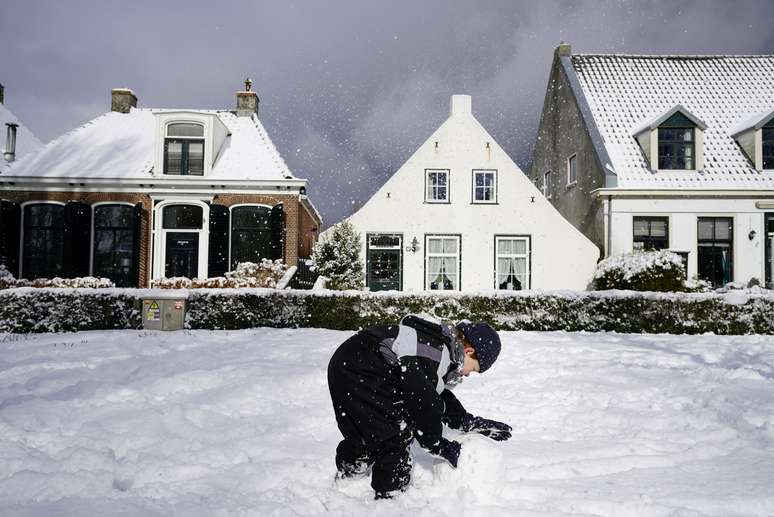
(174, 158)
(434, 246)
(641, 228)
(384, 241)
(251, 218)
(722, 229)
(658, 228)
(182, 217)
(572, 171)
(43, 241)
(706, 229)
(450, 245)
(196, 158)
(190, 130)
(118, 216)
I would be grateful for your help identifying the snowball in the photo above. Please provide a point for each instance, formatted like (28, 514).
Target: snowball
(480, 469)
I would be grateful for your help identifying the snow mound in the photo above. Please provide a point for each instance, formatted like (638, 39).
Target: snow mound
(480, 470)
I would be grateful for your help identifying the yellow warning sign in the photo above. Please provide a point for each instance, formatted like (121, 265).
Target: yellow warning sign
(154, 313)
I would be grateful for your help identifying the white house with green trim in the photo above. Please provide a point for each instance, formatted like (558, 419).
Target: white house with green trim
(460, 215)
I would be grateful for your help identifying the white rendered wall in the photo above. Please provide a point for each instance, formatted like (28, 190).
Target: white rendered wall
(749, 255)
(562, 258)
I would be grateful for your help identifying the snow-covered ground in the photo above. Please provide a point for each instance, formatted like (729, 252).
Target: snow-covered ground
(239, 423)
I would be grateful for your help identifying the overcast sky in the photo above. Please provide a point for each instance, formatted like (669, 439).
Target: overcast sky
(348, 89)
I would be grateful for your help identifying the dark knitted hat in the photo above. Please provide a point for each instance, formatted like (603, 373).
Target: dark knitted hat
(484, 340)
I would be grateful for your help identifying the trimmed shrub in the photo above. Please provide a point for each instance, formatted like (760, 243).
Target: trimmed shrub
(659, 271)
(246, 274)
(735, 312)
(337, 257)
(7, 281)
(68, 310)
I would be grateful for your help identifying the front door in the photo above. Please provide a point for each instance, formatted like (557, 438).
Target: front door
(769, 226)
(383, 266)
(182, 254)
(716, 250)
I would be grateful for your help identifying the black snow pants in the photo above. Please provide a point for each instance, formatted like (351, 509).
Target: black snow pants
(367, 401)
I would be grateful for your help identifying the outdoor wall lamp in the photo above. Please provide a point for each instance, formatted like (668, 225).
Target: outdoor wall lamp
(414, 245)
(751, 235)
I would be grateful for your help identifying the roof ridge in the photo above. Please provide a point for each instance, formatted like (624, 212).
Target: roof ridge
(676, 56)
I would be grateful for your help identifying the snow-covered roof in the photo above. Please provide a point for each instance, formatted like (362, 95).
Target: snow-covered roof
(623, 93)
(654, 122)
(121, 146)
(26, 141)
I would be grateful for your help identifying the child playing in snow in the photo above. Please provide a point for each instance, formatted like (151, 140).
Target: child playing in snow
(390, 384)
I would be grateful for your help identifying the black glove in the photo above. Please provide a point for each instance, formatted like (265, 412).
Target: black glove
(497, 431)
(448, 450)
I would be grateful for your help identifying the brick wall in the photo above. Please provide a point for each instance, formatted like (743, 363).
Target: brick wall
(307, 233)
(100, 197)
(291, 248)
(299, 237)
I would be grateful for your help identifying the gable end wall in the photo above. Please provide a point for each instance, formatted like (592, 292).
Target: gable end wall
(561, 134)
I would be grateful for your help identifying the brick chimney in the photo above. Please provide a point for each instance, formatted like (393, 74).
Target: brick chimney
(122, 100)
(247, 101)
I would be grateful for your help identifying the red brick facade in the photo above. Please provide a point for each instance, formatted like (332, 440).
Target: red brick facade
(299, 234)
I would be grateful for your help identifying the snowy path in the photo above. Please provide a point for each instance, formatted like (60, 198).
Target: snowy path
(239, 423)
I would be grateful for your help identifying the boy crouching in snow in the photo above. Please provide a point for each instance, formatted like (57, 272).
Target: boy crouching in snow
(390, 384)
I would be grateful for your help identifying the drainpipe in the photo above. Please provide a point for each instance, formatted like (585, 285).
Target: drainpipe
(10, 142)
(607, 214)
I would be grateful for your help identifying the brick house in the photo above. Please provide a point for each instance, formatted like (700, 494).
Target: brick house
(140, 194)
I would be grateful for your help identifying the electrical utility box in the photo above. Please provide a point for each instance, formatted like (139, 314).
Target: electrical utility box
(163, 313)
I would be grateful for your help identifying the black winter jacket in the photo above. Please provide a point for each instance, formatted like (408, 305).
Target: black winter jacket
(426, 359)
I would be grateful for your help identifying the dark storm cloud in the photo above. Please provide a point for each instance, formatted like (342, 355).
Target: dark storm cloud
(348, 89)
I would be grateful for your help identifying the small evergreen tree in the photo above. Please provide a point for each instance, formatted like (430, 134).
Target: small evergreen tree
(337, 256)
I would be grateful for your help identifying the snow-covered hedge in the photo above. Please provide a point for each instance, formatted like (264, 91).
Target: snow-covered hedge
(28, 309)
(734, 312)
(247, 274)
(641, 271)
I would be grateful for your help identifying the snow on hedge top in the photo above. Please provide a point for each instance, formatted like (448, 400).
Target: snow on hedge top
(624, 91)
(26, 141)
(121, 145)
(634, 264)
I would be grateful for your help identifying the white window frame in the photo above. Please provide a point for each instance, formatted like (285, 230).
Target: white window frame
(160, 234)
(457, 262)
(91, 241)
(428, 186)
(527, 284)
(21, 230)
(570, 161)
(493, 173)
(230, 219)
(547, 184)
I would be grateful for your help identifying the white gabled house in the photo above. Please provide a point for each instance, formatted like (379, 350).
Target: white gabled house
(665, 152)
(460, 215)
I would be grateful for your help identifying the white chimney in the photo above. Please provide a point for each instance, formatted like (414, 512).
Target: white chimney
(461, 105)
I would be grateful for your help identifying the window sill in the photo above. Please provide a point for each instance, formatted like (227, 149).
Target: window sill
(437, 202)
(484, 203)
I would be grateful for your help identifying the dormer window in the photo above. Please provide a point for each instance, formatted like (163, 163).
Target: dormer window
(673, 140)
(767, 137)
(677, 143)
(184, 149)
